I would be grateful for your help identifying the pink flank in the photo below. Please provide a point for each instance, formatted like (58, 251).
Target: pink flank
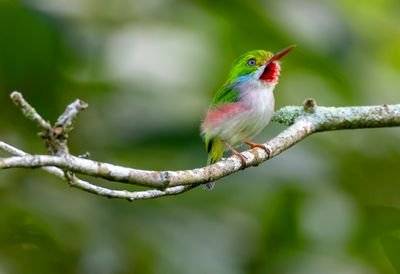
(214, 117)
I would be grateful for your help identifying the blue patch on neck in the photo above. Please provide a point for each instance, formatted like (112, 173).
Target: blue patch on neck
(244, 78)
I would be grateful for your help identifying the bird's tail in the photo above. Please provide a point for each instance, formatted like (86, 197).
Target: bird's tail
(215, 148)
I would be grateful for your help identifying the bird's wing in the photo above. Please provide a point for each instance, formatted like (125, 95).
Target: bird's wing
(228, 93)
(223, 99)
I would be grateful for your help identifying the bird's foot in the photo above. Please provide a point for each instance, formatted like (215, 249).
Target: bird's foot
(241, 157)
(238, 154)
(264, 147)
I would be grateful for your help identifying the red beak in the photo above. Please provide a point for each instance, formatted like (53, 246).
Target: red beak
(280, 54)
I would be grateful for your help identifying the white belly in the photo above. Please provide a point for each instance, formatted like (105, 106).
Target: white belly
(254, 116)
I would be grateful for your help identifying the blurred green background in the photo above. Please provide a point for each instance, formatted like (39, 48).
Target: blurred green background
(148, 68)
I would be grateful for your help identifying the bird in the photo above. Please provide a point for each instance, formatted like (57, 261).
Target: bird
(243, 106)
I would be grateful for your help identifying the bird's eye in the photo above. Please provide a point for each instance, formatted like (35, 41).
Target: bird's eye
(251, 62)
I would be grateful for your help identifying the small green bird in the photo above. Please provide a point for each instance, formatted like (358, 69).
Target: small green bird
(243, 106)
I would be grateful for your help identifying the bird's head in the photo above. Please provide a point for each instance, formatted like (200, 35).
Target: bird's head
(258, 65)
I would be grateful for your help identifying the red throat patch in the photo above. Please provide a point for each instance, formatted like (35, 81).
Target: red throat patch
(271, 73)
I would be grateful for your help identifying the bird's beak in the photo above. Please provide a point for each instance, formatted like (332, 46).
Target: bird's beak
(280, 54)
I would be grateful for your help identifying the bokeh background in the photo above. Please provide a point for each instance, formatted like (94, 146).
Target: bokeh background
(148, 68)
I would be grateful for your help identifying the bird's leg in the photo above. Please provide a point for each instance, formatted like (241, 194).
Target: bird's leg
(238, 154)
(264, 147)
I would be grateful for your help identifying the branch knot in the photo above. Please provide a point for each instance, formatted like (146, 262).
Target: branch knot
(309, 105)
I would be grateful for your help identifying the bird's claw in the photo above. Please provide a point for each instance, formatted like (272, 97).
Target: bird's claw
(242, 158)
(262, 146)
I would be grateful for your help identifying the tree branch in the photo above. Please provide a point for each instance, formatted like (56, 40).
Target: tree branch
(86, 186)
(302, 121)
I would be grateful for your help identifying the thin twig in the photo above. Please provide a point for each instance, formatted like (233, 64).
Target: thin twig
(28, 111)
(67, 119)
(55, 138)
